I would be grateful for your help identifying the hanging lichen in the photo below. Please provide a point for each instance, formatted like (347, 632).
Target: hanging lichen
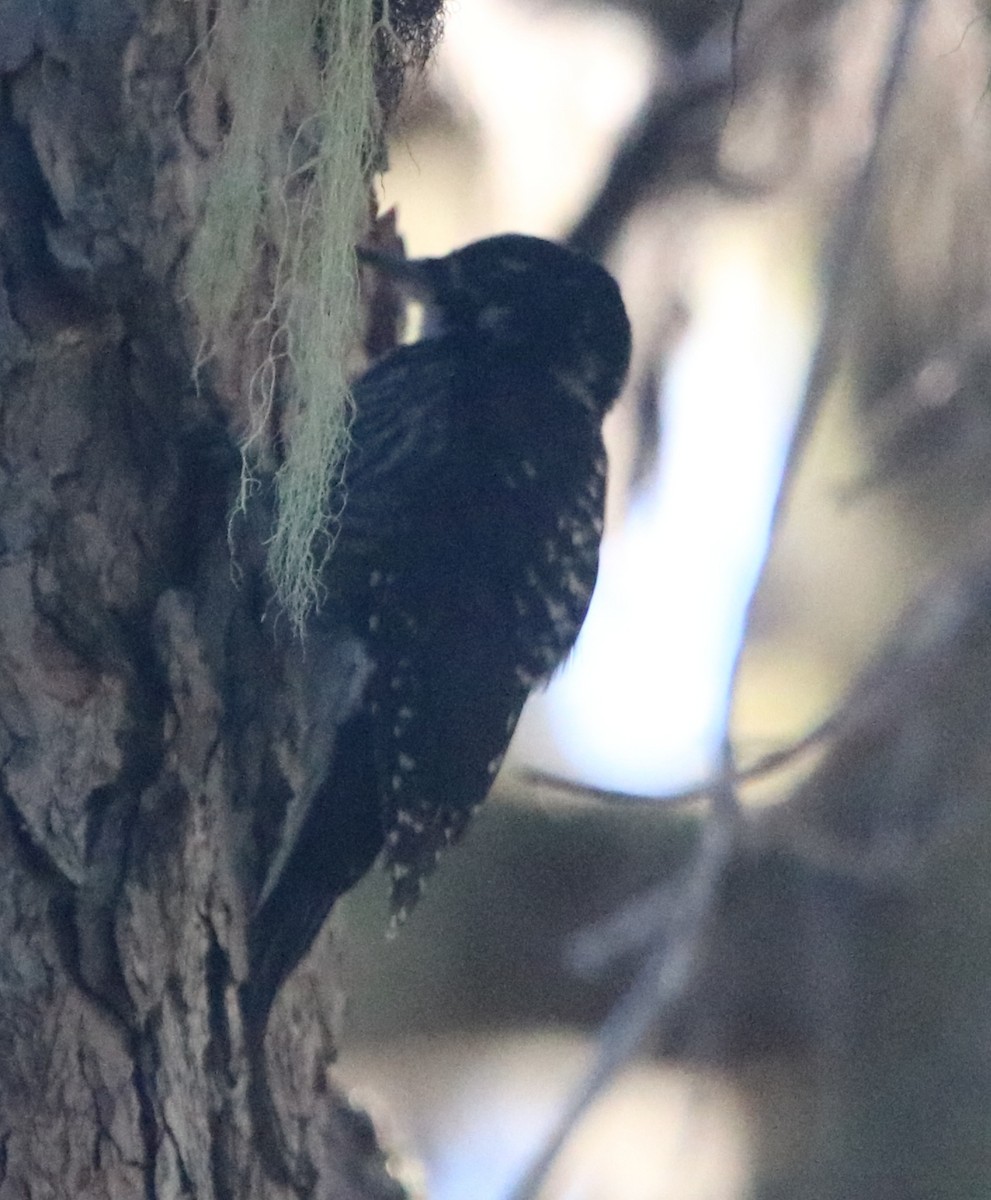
(273, 259)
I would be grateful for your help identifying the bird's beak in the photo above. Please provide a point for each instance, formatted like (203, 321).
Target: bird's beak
(410, 275)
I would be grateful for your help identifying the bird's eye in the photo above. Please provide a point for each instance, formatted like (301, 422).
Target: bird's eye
(495, 318)
(515, 266)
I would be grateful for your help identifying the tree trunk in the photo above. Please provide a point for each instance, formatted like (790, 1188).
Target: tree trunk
(153, 726)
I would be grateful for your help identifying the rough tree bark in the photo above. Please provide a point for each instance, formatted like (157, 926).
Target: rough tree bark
(152, 725)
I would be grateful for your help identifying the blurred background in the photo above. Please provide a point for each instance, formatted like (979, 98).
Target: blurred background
(703, 151)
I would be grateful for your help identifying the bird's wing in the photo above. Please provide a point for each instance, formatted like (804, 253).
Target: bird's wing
(447, 710)
(401, 428)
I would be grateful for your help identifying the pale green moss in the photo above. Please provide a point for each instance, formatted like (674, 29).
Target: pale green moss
(287, 200)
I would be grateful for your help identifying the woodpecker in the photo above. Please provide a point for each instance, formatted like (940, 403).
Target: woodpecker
(471, 516)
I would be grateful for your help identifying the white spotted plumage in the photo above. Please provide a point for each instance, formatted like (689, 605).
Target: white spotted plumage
(475, 496)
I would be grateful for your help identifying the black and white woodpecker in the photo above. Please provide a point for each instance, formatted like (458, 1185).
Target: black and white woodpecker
(472, 511)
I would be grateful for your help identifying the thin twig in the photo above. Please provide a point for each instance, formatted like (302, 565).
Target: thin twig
(652, 918)
(650, 998)
(845, 245)
(767, 764)
(663, 976)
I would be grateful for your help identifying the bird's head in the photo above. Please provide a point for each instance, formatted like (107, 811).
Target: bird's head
(534, 305)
